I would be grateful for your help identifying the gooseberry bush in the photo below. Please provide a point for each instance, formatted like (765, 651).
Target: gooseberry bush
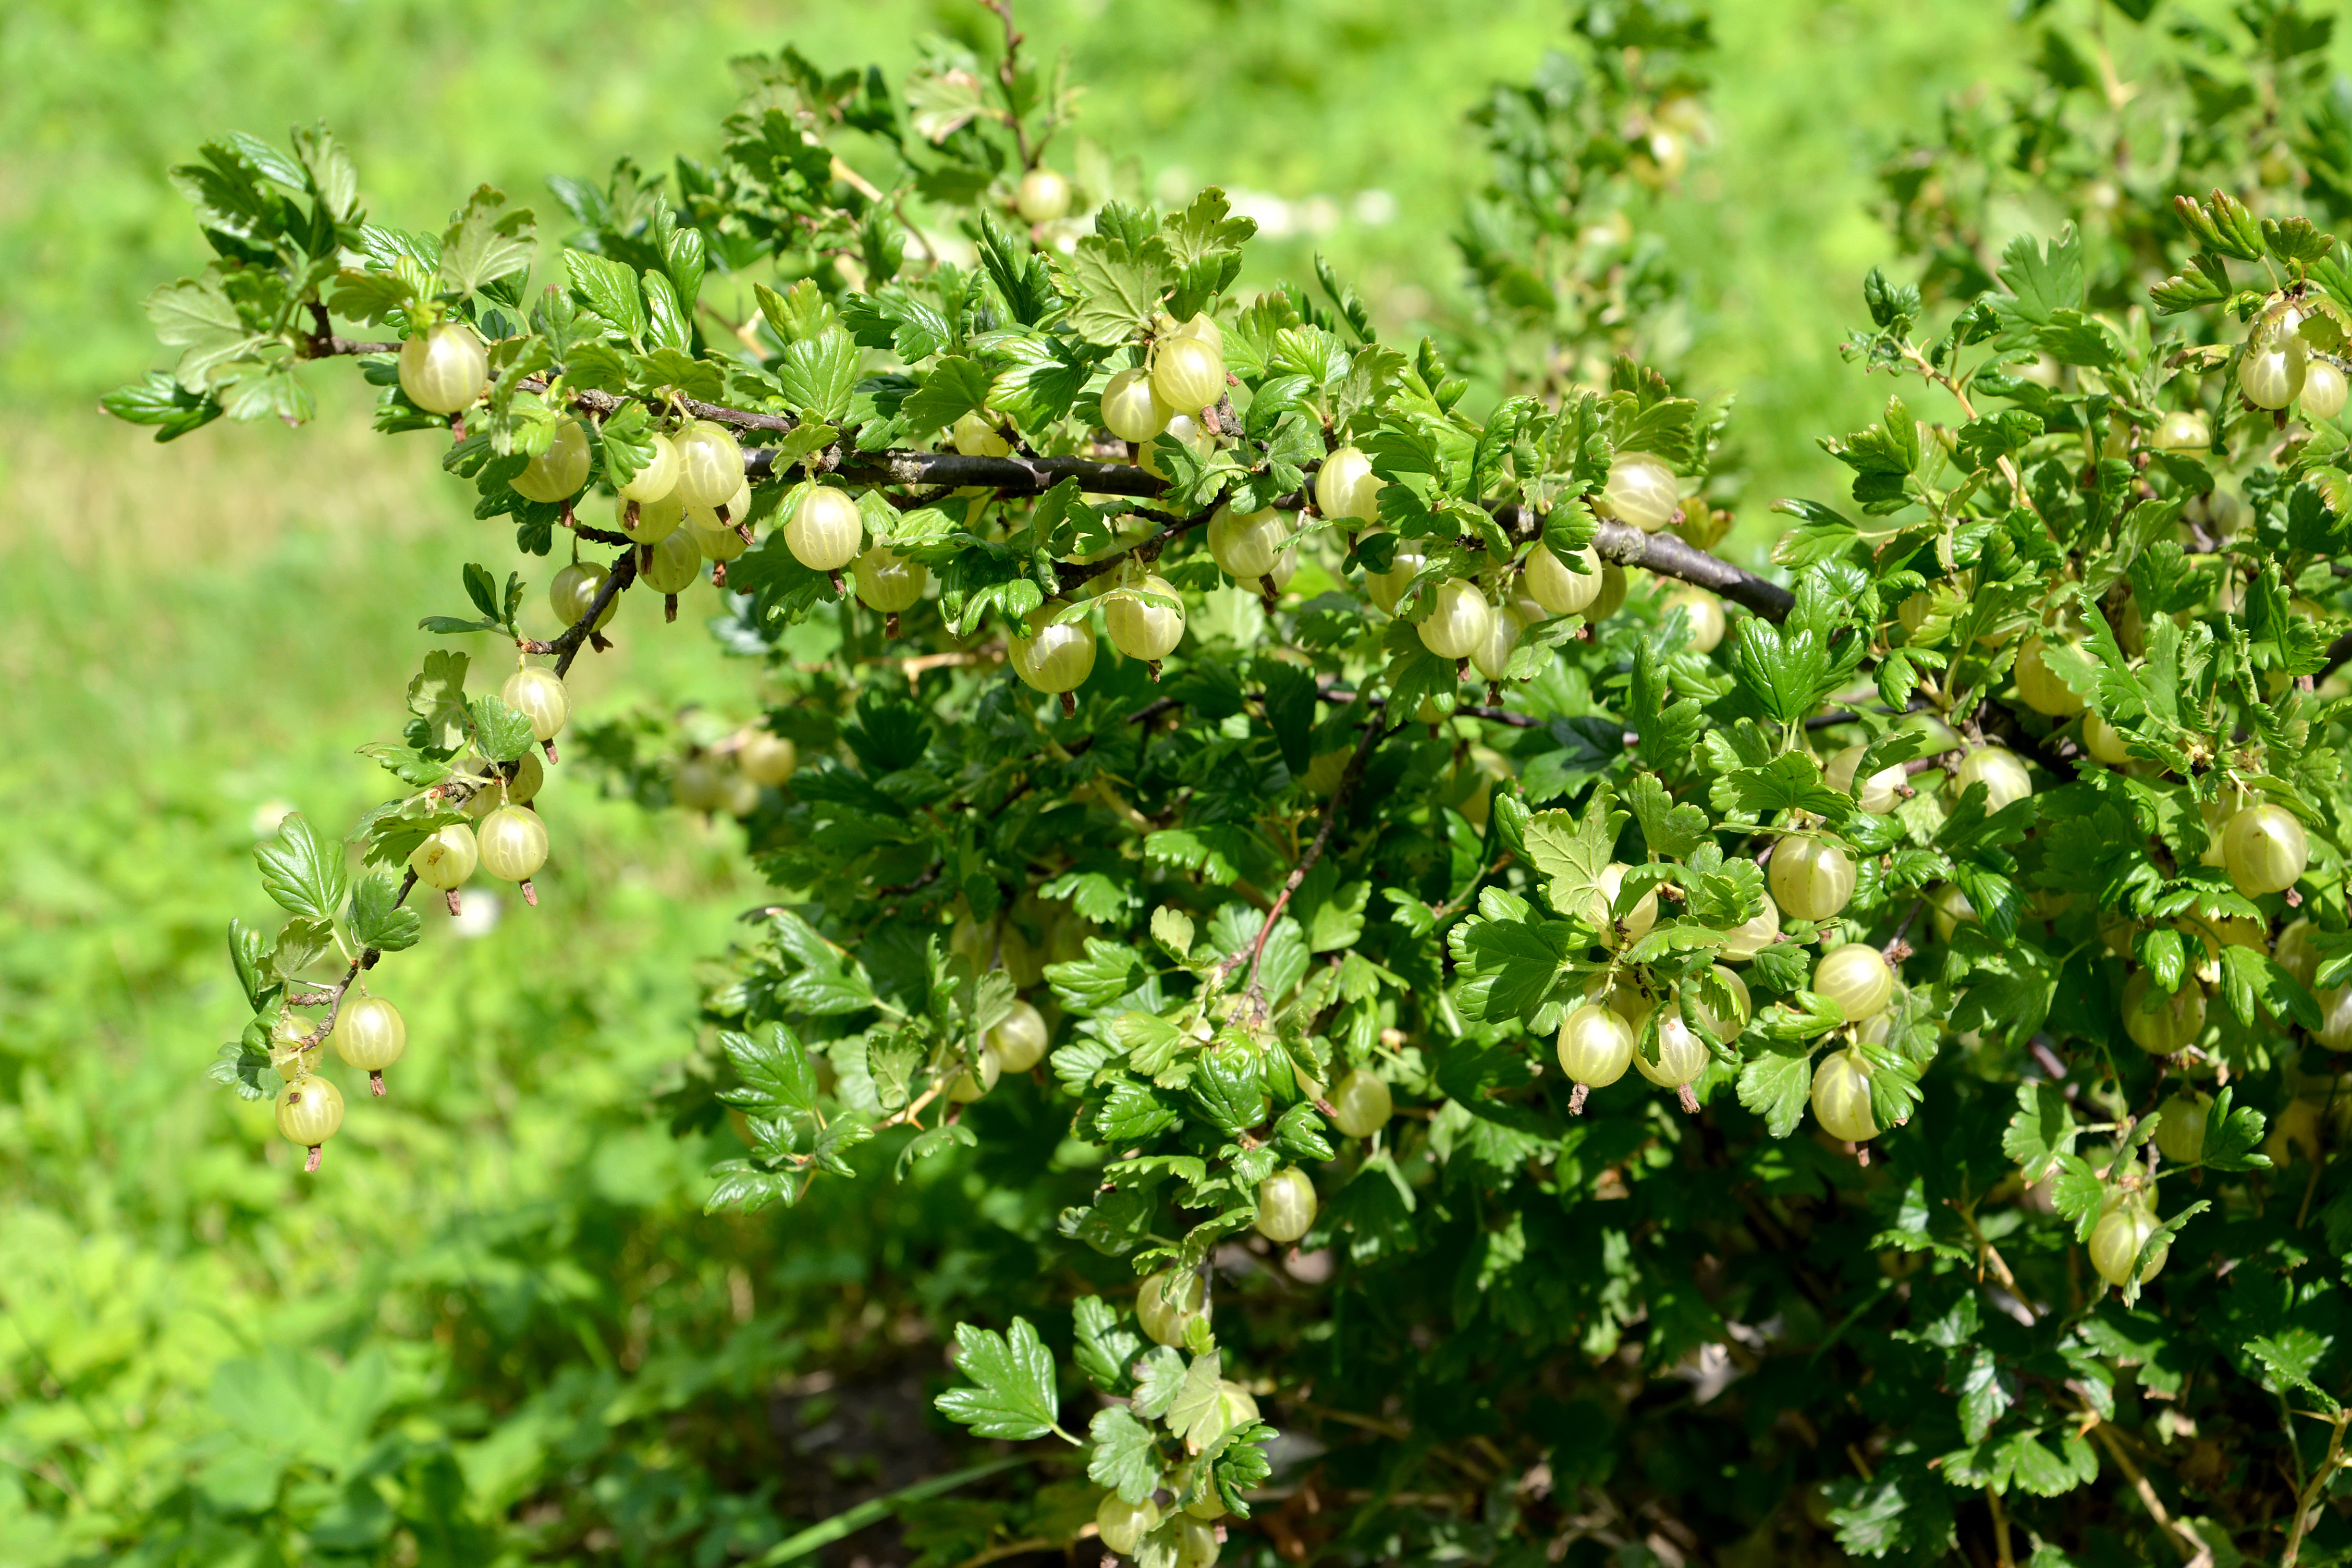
(1509, 1036)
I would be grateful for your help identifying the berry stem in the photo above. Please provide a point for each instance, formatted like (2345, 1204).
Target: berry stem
(375, 1084)
(310, 1165)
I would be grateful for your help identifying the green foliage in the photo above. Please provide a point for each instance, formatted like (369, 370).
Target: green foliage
(2017, 706)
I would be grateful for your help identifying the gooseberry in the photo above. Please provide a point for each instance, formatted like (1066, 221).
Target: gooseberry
(1166, 1304)
(1492, 657)
(1752, 936)
(976, 435)
(1246, 546)
(825, 529)
(2126, 1228)
(309, 1110)
(1059, 658)
(1360, 1104)
(2180, 1134)
(513, 843)
(2038, 686)
(1812, 879)
(2272, 371)
(1188, 374)
(1387, 587)
(766, 759)
(1285, 1205)
(1558, 589)
(709, 465)
(1857, 978)
(2323, 390)
(446, 858)
(657, 478)
(558, 473)
(655, 519)
(2000, 770)
(1637, 922)
(1879, 793)
(1045, 195)
(976, 1080)
(370, 1034)
(1703, 617)
(2171, 1023)
(1346, 486)
(2264, 849)
(571, 594)
(674, 561)
(1123, 1524)
(1019, 1037)
(444, 368)
(1595, 1046)
(1140, 630)
(2104, 741)
(1641, 490)
(1458, 622)
(540, 696)
(888, 582)
(1842, 1098)
(1130, 410)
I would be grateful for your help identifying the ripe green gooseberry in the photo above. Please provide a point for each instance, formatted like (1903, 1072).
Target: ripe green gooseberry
(370, 1034)
(888, 582)
(1208, 1505)
(1595, 1046)
(1752, 936)
(1019, 1039)
(1183, 428)
(2274, 369)
(557, 473)
(675, 562)
(1245, 547)
(1610, 599)
(2000, 770)
(2038, 686)
(446, 859)
(2183, 430)
(1059, 658)
(1949, 908)
(1695, 1008)
(1812, 879)
(1842, 1098)
(698, 784)
(976, 435)
(2104, 741)
(1641, 490)
(1682, 1054)
(1140, 630)
(1492, 657)
(2323, 390)
(766, 759)
(2127, 1226)
(528, 779)
(2264, 849)
(2158, 1024)
(1285, 1205)
(1637, 922)
(1044, 196)
(710, 464)
(977, 1079)
(444, 368)
(2334, 1029)
(1188, 374)
(1166, 1304)
(1856, 977)
(571, 594)
(2180, 1134)
(1458, 621)
(737, 508)
(825, 529)
(291, 1051)
(716, 543)
(1130, 410)
(1361, 1104)
(1123, 1524)
(1386, 588)
(657, 478)
(540, 696)
(1879, 793)
(1703, 617)
(1558, 589)
(1196, 1544)
(1199, 325)
(309, 1110)
(653, 521)
(513, 843)
(2296, 952)
(1236, 1408)
(1346, 486)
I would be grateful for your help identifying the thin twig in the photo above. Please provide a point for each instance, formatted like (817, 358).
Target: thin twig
(1374, 732)
(2184, 1542)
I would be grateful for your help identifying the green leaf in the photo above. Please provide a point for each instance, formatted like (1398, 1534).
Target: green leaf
(1776, 1084)
(305, 873)
(665, 323)
(954, 387)
(1011, 1395)
(1106, 1345)
(819, 375)
(1126, 1456)
(610, 290)
(298, 945)
(1573, 853)
(1671, 830)
(246, 955)
(1119, 285)
(487, 243)
(1197, 1405)
(2043, 1131)
(376, 920)
(500, 734)
(775, 1069)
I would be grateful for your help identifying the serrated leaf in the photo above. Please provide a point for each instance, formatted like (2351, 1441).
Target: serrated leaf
(1776, 1084)
(303, 872)
(487, 243)
(1125, 1457)
(500, 732)
(377, 920)
(775, 1069)
(1197, 1405)
(1106, 1345)
(1011, 1375)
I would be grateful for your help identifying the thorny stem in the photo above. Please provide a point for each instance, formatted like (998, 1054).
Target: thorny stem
(2184, 1542)
(2308, 1498)
(366, 960)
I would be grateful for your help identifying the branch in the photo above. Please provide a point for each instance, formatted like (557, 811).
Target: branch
(1373, 732)
(566, 647)
(366, 960)
(1340, 698)
(2186, 1544)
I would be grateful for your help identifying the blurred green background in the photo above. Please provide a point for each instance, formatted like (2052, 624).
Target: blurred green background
(500, 1293)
